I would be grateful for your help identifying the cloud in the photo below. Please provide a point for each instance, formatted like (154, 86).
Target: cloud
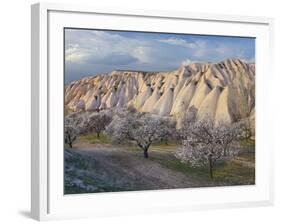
(77, 55)
(199, 48)
(115, 59)
(179, 42)
(101, 47)
(91, 51)
(187, 62)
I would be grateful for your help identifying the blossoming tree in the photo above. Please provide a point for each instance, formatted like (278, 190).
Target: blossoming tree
(205, 143)
(139, 128)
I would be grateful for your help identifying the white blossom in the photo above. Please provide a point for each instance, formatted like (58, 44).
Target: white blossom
(139, 128)
(97, 122)
(204, 143)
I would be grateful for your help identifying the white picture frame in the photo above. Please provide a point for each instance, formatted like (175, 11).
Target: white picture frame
(48, 201)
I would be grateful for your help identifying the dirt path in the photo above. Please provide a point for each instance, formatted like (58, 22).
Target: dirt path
(244, 163)
(128, 169)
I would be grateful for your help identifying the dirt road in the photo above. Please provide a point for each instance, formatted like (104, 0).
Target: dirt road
(116, 168)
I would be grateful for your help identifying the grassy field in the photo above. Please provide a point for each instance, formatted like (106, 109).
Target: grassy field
(97, 165)
(93, 139)
(229, 172)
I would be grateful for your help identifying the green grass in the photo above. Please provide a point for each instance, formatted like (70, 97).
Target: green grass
(78, 161)
(247, 157)
(166, 144)
(248, 142)
(225, 173)
(234, 173)
(230, 172)
(170, 147)
(196, 172)
(154, 148)
(93, 139)
(163, 154)
(88, 180)
(247, 153)
(171, 162)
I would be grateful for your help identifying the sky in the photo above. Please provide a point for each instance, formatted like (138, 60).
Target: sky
(92, 52)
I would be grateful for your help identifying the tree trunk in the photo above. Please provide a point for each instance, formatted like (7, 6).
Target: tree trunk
(98, 135)
(211, 167)
(225, 151)
(70, 145)
(145, 153)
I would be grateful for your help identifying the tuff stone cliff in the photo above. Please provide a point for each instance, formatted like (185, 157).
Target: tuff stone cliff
(223, 92)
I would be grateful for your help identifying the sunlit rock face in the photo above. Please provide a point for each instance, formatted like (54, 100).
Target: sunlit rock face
(222, 92)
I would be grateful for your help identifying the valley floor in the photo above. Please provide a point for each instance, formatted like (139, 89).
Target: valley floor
(103, 167)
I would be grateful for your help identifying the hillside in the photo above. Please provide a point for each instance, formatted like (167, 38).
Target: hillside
(223, 92)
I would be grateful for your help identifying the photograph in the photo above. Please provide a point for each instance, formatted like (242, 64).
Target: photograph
(157, 111)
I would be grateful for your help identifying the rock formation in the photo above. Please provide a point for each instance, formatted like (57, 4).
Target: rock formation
(223, 92)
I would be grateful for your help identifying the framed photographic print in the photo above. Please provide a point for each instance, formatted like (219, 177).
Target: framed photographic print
(148, 111)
